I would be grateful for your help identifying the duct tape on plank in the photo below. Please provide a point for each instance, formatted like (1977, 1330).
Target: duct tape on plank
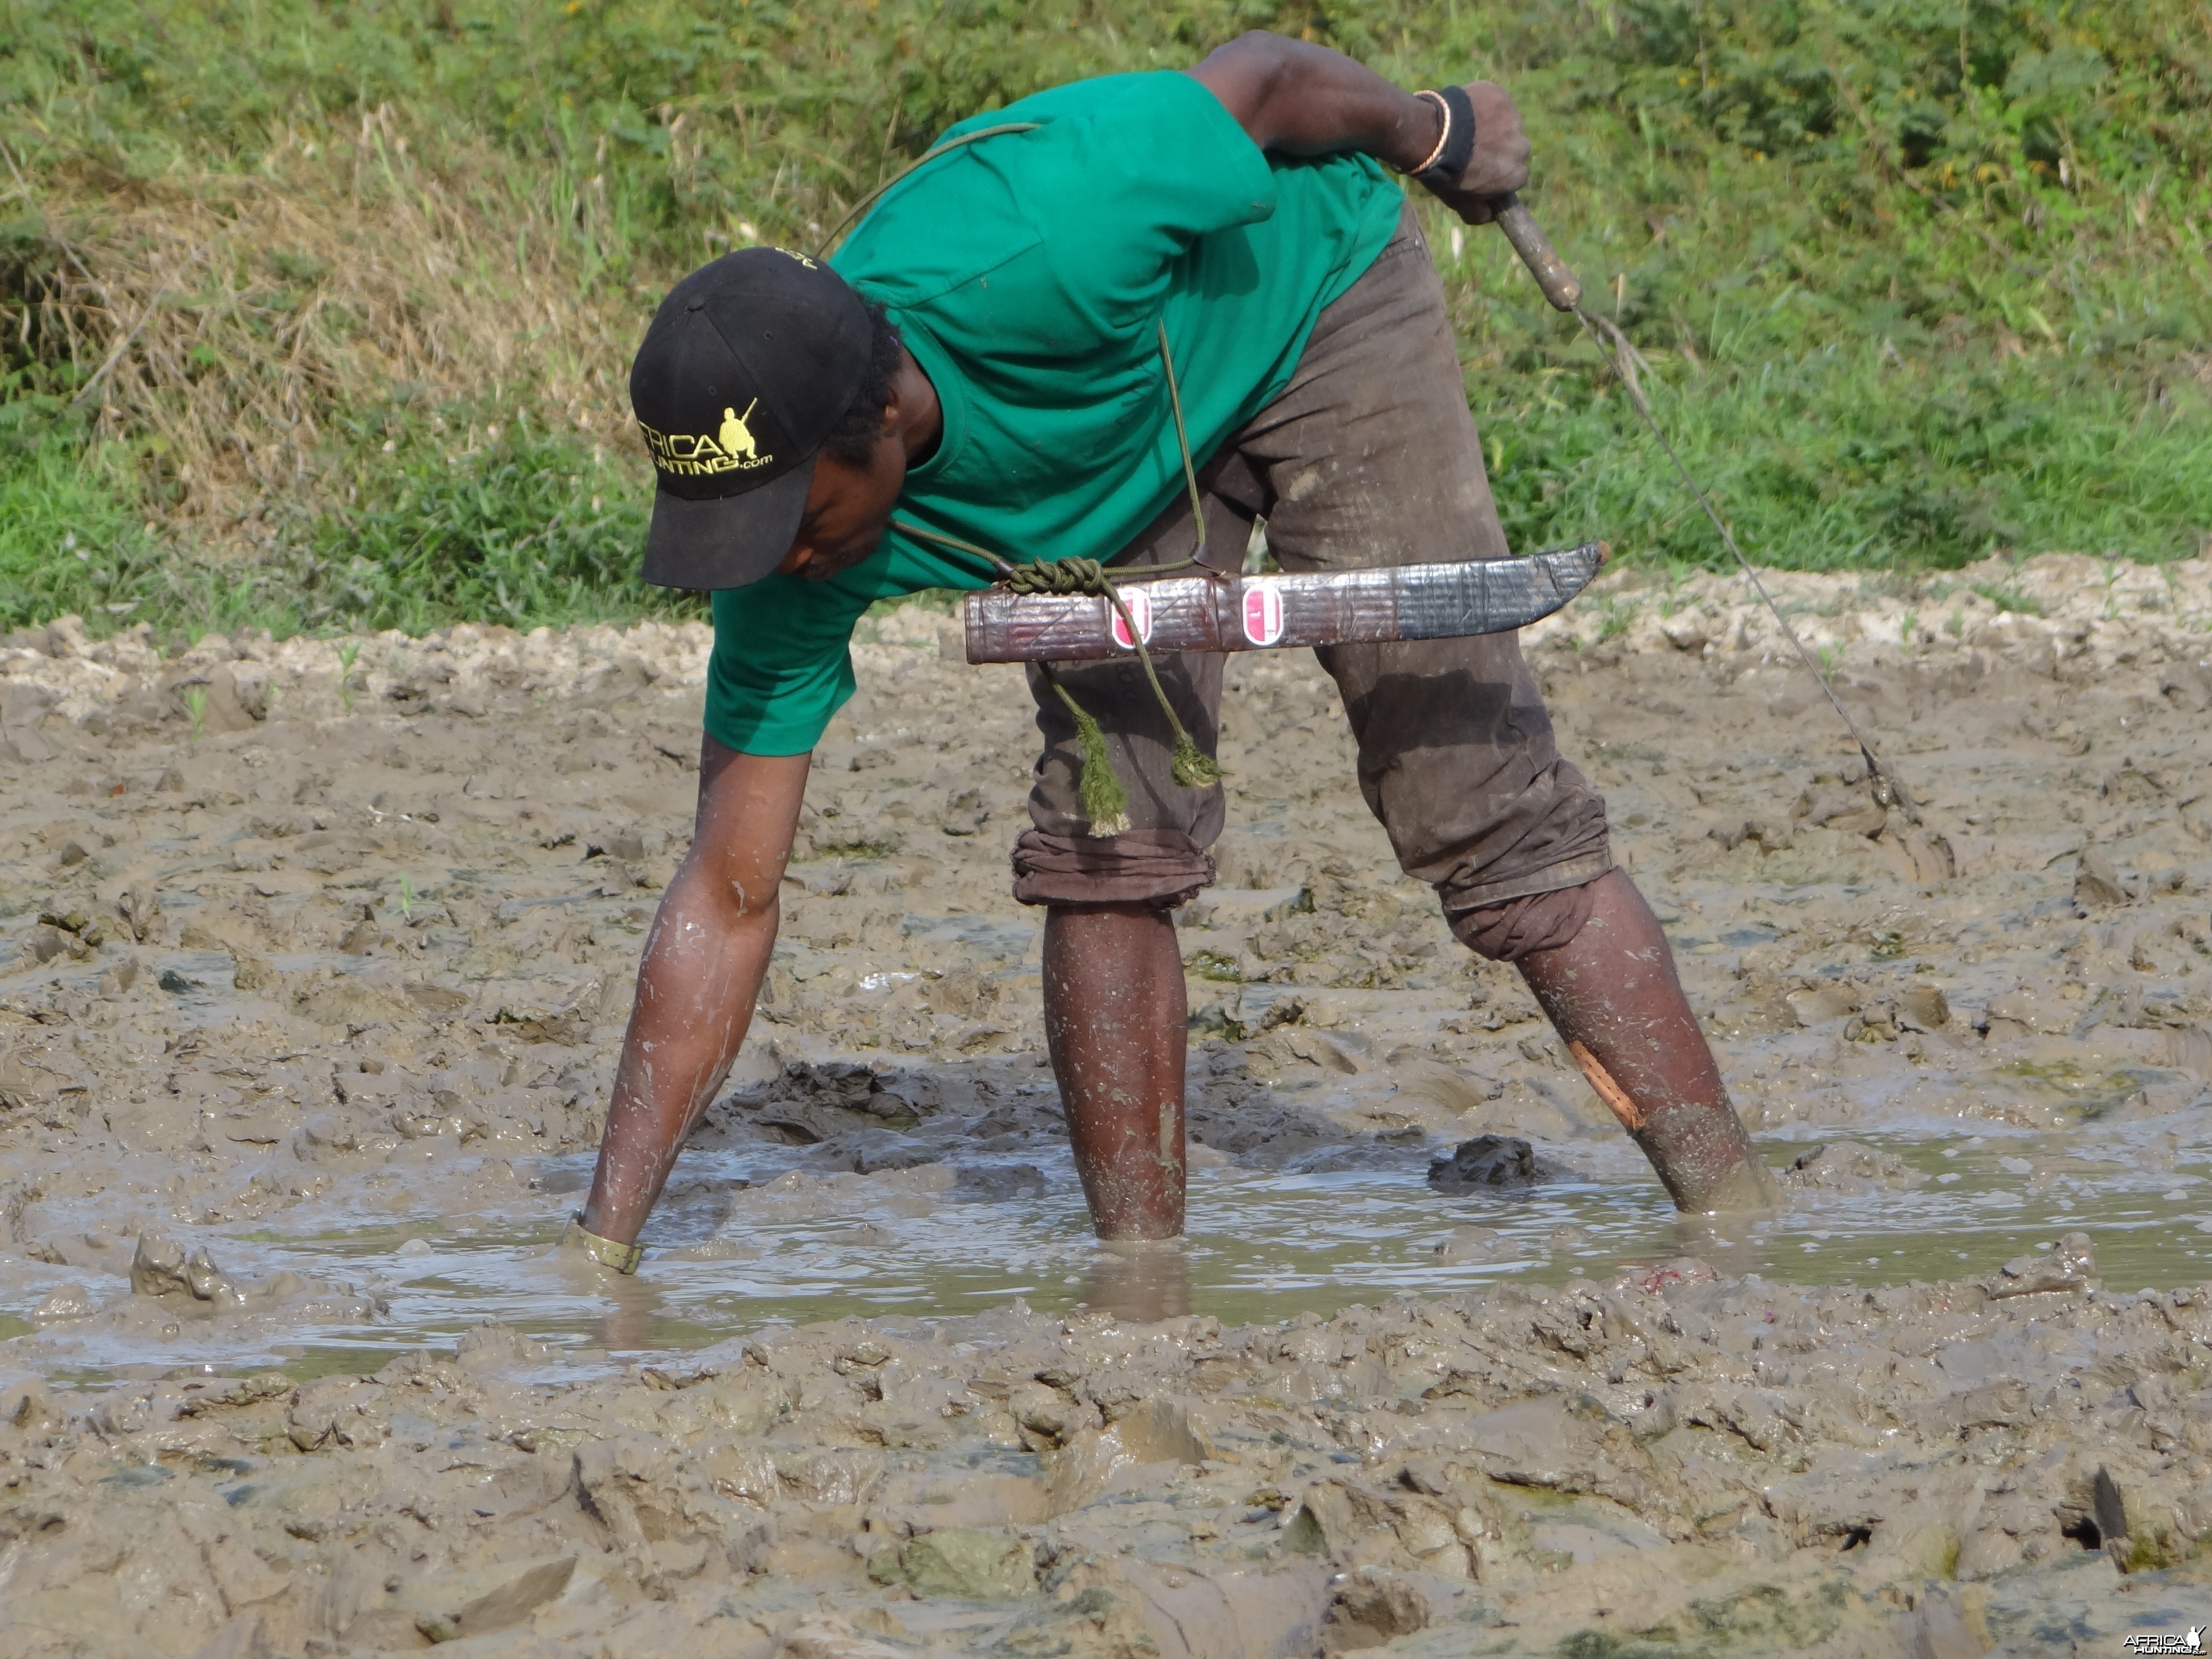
(1254, 613)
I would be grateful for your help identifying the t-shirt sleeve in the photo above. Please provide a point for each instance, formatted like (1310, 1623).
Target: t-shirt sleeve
(1130, 172)
(782, 663)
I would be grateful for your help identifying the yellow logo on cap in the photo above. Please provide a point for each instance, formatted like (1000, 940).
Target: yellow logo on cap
(732, 449)
(736, 437)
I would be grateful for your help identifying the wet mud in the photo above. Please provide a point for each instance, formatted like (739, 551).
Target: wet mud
(314, 962)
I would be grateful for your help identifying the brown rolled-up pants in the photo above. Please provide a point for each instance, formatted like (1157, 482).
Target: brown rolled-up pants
(1369, 456)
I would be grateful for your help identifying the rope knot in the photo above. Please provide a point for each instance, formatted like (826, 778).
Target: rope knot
(1076, 576)
(1105, 800)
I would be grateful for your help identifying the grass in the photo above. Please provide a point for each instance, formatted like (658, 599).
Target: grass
(508, 521)
(414, 521)
(69, 539)
(317, 317)
(1822, 462)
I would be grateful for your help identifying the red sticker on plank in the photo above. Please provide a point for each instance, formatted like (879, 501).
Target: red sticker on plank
(1263, 612)
(1140, 612)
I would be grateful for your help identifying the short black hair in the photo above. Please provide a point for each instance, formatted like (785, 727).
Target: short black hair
(852, 438)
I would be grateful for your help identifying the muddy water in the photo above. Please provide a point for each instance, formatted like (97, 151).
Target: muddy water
(386, 951)
(307, 1020)
(1265, 1245)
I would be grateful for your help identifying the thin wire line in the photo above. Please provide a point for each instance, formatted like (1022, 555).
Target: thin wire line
(931, 155)
(1003, 567)
(1006, 568)
(1888, 790)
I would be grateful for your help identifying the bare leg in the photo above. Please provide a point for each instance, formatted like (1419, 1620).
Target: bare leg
(1613, 993)
(1113, 1016)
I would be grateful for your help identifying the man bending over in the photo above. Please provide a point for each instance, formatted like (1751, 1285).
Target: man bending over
(984, 374)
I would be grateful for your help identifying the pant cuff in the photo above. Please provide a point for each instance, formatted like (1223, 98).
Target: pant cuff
(1519, 927)
(1162, 867)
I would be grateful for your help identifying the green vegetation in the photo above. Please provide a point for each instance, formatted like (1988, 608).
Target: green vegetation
(1212, 964)
(318, 316)
(349, 652)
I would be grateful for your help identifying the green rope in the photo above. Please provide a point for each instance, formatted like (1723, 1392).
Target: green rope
(1182, 443)
(1004, 569)
(1105, 798)
(1191, 766)
(1075, 575)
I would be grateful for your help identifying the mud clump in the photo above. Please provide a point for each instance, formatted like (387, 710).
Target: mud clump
(1501, 1164)
(160, 1268)
(1370, 1610)
(969, 1563)
(2071, 1266)
(1471, 1244)
(1849, 1166)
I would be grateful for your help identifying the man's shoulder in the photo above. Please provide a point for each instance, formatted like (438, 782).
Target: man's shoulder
(1112, 175)
(1115, 96)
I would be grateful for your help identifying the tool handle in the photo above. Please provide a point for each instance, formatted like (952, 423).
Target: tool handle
(1560, 285)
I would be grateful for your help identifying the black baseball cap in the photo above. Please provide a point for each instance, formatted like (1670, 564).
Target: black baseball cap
(747, 365)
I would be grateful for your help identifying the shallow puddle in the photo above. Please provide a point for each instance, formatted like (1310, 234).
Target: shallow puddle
(1263, 1246)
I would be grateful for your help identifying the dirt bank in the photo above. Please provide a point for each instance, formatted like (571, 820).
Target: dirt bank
(311, 989)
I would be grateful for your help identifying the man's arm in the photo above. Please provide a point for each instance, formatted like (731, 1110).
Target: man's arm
(704, 961)
(1301, 100)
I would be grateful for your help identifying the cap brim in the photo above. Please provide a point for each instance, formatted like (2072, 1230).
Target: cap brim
(730, 542)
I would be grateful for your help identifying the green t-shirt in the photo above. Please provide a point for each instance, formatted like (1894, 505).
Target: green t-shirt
(1029, 273)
